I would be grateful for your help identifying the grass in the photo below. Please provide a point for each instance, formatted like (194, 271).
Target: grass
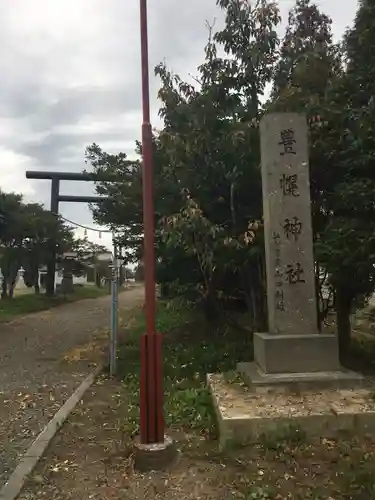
(190, 351)
(279, 466)
(30, 302)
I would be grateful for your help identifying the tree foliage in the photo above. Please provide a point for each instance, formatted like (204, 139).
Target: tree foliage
(208, 204)
(26, 231)
(88, 254)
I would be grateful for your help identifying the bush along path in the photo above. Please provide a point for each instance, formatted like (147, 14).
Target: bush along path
(43, 359)
(91, 455)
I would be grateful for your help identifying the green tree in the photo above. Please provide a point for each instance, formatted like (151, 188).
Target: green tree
(88, 254)
(348, 243)
(308, 60)
(87, 250)
(39, 226)
(24, 240)
(309, 64)
(11, 241)
(337, 100)
(207, 178)
(122, 212)
(208, 206)
(211, 142)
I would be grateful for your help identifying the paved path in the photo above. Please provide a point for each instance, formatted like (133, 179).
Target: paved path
(43, 359)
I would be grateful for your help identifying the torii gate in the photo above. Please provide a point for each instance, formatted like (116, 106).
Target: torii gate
(56, 197)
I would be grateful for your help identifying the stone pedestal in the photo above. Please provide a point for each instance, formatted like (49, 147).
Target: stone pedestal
(293, 349)
(245, 417)
(296, 353)
(297, 363)
(258, 380)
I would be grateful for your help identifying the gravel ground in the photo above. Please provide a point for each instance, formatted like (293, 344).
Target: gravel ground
(91, 458)
(43, 359)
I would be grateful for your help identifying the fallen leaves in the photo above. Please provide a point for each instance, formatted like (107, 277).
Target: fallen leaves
(65, 466)
(84, 352)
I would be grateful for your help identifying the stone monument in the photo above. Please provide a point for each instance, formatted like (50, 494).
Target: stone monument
(293, 349)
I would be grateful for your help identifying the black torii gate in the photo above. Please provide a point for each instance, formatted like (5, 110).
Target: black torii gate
(56, 197)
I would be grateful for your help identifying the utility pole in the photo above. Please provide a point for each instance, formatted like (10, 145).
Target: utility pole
(114, 314)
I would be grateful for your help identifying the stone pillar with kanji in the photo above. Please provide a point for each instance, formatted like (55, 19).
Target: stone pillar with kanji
(287, 224)
(293, 345)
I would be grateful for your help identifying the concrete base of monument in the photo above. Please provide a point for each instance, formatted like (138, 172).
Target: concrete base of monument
(276, 353)
(257, 380)
(158, 456)
(297, 362)
(244, 416)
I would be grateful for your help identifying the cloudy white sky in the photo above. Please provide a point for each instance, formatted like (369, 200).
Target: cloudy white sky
(70, 76)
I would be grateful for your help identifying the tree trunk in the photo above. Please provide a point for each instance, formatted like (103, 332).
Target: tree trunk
(36, 281)
(4, 289)
(212, 310)
(254, 307)
(11, 289)
(317, 298)
(344, 330)
(98, 280)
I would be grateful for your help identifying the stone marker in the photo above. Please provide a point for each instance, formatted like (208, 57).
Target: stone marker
(293, 344)
(287, 222)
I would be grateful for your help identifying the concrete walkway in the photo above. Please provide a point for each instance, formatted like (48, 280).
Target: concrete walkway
(43, 359)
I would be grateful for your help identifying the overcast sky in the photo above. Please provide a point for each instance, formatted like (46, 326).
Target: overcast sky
(70, 76)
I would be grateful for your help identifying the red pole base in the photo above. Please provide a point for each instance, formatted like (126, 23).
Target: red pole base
(151, 401)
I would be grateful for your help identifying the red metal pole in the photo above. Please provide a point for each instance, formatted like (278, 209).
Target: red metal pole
(148, 194)
(151, 404)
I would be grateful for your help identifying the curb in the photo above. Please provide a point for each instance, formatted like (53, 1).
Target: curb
(29, 460)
